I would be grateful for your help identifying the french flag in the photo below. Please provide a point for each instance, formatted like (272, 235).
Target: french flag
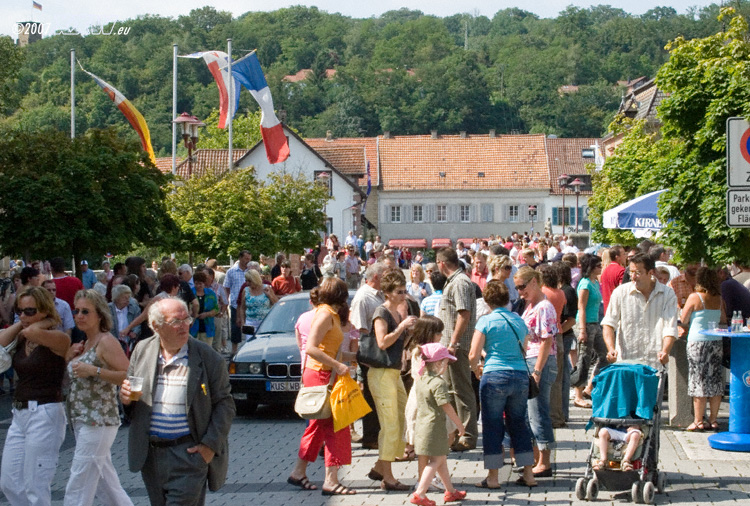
(218, 62)
(248, 72)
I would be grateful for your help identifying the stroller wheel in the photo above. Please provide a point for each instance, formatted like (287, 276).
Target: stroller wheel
(661, 482)
(636, 492)
(649, 491)
(592, 490)
(581, 489)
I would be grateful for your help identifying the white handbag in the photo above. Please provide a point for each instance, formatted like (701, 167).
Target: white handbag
(6, 355)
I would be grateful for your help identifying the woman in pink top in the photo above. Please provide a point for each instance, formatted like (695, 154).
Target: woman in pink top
(302, 327)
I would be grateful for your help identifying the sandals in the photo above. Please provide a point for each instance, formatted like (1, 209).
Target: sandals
(421, 501)
(524, 483)
(597, 465)
(374, 475)
(408, 456)
(583, 403)
(714, 426)
(484, 484)
(626, 465)
(396, 486)
(339, 490)
(696, 427)
(302, 483)
(456, 495)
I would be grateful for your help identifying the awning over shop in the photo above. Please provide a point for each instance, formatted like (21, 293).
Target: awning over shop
(441, 243)
(408, 243)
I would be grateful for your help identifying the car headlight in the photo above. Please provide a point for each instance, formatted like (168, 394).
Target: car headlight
(255, 368)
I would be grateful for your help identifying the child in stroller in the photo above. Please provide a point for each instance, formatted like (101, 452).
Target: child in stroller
(633, 436)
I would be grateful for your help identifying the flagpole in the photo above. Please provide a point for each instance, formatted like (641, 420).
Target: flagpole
(231, 99)
(72, 93)
(174, 108)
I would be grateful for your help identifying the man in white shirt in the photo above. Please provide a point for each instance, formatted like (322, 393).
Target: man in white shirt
(643, 313)
(661, 259)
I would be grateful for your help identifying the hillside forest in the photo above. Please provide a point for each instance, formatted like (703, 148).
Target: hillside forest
(403, 72)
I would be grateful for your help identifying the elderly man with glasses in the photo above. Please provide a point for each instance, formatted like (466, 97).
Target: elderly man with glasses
(180, 422)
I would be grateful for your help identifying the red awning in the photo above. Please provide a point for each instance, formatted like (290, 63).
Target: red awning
(441, 243)
(407, 243)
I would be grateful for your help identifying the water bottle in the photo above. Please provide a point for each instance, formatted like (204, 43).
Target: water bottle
(736, 317)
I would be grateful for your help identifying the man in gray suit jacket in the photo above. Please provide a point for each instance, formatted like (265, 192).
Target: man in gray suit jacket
(180, 424)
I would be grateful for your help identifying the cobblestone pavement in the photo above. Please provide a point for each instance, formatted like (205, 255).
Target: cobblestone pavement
(263, 448)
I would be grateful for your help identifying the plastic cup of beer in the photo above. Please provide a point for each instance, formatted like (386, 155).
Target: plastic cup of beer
(136, 387)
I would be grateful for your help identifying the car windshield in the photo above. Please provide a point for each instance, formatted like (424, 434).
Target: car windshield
(283, 316)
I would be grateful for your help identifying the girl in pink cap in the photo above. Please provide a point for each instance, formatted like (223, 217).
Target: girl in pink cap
(430, 439)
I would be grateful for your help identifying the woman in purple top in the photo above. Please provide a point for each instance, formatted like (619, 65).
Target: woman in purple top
(541, 319)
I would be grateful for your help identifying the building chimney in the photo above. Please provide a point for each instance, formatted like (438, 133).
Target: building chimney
(434, 134)
(329, 135)
(463, 134)
(387, 134)
(492, 134)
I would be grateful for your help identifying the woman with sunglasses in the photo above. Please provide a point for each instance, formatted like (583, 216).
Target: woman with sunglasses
(96, 367)
(541, 358)
(33, 441)
(388, 392)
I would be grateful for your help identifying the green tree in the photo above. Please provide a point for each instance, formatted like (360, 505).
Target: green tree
(92, 194)
(223, 212)
(245, 131)
(707, 81)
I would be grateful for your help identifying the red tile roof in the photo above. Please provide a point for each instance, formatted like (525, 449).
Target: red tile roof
(565, 158)
(208, 159)
(370, 145)
(304, 74)
(350, 160)
(164, 164)
(452, 162)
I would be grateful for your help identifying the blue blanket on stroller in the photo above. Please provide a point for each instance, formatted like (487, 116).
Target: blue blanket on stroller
(624, 391)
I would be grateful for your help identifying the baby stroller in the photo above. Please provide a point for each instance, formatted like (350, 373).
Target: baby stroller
(626, 394)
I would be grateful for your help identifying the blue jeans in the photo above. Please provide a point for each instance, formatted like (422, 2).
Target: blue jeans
(569, 340)
(539, 415)
(505, 392)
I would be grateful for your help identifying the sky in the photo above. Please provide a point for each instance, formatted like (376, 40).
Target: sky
(81, 14)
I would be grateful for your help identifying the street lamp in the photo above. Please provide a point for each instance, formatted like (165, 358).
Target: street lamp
(576, 184)
(562, 182)
(532, 215)
(190, 125)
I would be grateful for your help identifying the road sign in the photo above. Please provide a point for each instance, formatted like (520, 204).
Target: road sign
(738, 153)
(738, 208)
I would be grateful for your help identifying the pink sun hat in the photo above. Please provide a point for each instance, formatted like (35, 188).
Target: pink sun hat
(434, 352)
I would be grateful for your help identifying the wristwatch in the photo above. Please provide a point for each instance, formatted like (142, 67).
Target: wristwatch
(455, 346)
(537, 371)
(98, 371)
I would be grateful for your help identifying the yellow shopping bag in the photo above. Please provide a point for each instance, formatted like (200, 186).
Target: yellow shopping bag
(347, 403)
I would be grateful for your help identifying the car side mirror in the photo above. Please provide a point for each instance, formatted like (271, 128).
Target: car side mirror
(248, 330)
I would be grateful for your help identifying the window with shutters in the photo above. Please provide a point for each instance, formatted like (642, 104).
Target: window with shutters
(395, 214)
(464, 213)
(513, 215)
(418, 211)
(442, 213)
(488, 212)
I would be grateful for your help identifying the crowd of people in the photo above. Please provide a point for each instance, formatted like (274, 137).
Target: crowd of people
(455, 338)
(510, 309)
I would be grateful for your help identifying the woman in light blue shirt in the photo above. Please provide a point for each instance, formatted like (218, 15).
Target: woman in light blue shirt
(503, 385)
(705, 381)
(592, 352)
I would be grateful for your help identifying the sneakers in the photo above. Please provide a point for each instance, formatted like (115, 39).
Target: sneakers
(437, 483)
(456, 495)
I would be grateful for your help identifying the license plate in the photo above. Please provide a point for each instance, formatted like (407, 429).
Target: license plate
(282, 386)
(240, 397)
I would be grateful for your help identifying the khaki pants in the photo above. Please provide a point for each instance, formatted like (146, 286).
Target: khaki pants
(389, 395)
(458, 377)
(221, 332)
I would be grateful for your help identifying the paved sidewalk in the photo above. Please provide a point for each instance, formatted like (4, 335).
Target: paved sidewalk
(263, 449)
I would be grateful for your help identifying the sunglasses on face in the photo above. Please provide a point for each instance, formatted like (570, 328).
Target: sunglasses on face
(521, 287)
(28, 311)
(84, 312)
(508, 268)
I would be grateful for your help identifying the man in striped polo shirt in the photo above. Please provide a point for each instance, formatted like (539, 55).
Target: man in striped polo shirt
(180, 423)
